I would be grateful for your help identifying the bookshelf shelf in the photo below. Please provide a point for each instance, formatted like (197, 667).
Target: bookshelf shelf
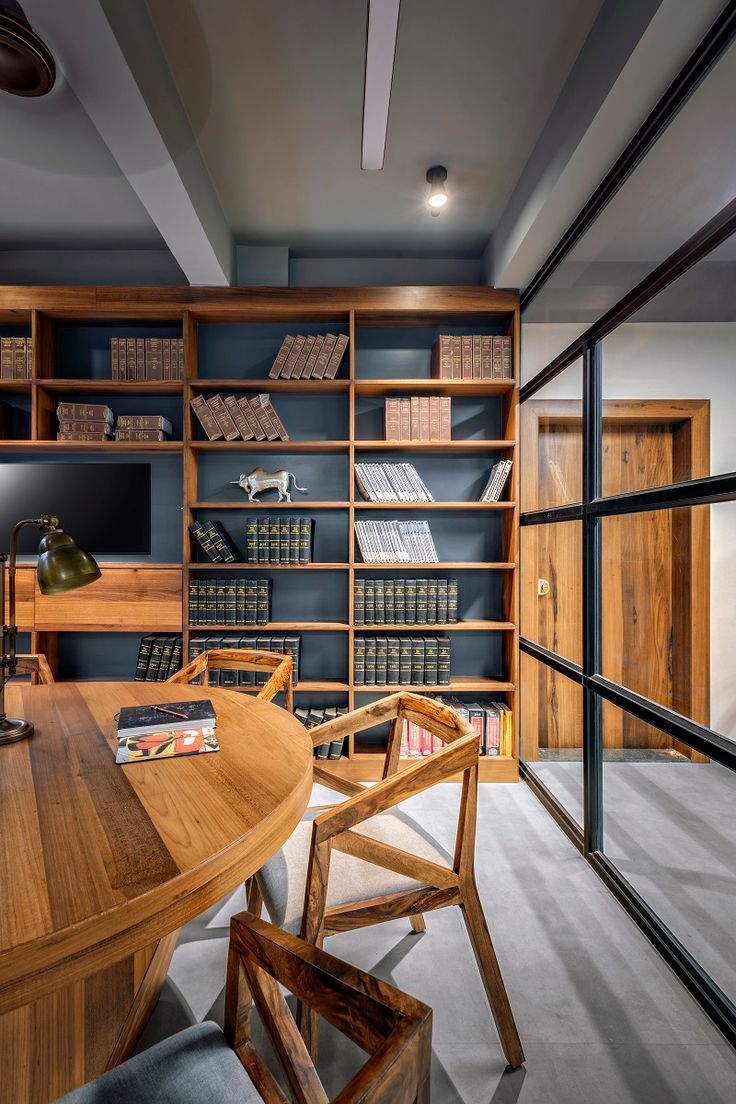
(232, 330)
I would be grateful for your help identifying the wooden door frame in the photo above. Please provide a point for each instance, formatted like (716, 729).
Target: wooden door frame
(690, 420)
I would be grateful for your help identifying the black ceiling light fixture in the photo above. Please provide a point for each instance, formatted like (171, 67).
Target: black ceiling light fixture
(26, 64)
(437, 198)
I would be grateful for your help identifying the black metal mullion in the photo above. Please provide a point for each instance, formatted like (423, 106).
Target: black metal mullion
(591, 576)
(693, 492)
(566, 667)
(553, 514)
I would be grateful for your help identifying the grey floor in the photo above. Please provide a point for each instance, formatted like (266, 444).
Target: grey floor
(601, 1017)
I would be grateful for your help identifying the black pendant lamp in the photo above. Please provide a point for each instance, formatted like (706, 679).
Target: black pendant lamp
(26, 64)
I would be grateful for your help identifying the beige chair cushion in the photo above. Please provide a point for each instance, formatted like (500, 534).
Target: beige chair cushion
(283, 878)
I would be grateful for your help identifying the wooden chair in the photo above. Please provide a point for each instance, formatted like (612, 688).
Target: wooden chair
(202, 1063)
(245, 659)
(313, 886)
(36, 666)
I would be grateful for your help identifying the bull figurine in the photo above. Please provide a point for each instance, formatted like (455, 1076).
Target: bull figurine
(259, 480)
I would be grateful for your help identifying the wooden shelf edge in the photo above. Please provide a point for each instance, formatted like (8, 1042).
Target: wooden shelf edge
(461, 684)
(268, 505)
(477, 625)
(240, 565)
(435, 506)
(277, 626)
(454, 565)
(307, 385)
(269, 446)
(435, 446)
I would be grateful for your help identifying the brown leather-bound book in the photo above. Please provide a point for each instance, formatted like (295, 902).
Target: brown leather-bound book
(29, 357)
(130, 357)
(140, 359)
(392, 420)
(442, 357)
(424, 418)
(507, 368)
(293, 357)
(122, 358)
(19, 358)
(275, 420)
(445, 419)
(83, 437)
(206, 418)
(263, 418)
(434, 417)
(223, 418)
(310, 365)
(477, 356)
(84, 412)
(166, 358)
(114, 359)
(405, 419)
(231, 404)
(145, 421)
(303, 357)
(457, 357)
(140, 435)
(486, 357)
(467, 356)
(414, 418)
(86, 427)
(7, 358)
(497, 358)
(253, 424)
(179, 342)
(281, 356)
(325, 353)
(336, 357)
(154, 358)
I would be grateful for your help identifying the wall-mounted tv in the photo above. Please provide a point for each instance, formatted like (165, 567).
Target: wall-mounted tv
(106, 507)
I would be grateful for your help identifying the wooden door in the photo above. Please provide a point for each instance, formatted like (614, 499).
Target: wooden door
(655, 570)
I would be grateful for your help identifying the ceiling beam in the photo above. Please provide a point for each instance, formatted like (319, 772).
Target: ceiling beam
(110, 55)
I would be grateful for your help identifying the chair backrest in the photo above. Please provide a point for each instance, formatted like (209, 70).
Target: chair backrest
(244, 659)
(35, 665)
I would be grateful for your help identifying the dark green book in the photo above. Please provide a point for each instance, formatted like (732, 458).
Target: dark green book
(293, 647)
(274, 539)
(262, 539)
(265, 644)
(221, 541)
(306, 530)
(154, 662)
(452, 601)
(381, 660)
(431, 660)
(389, 602)
(337, 745)
(422, 601)
(231, 605)
(251, 539)
(404, 661)
(370, 661)
(442, 601)
(443, 660)
(359, 602)
(359, 660)
(144, 655)
(196, 646)
(317, 717)
(241, 586)
(175, 663)
(370, 602)
(410, 590)
(229, 679)
(215, 674)
(284, 538)
(399, 601)
(417, 660)
(247, 643)
(205, 542)
(379, 602)
(194, 601)
(263, 607)
(392, 665)
(210, 607)
(295, 528)
(220, 601)
(432, 601)
(251, 601)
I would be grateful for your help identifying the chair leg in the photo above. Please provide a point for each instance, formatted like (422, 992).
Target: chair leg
(307, 1021)
(490, 972)
(253, 898)
(417, 923)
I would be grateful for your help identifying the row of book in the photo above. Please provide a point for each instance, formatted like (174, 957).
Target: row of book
(492, 720)
(137, 359)
(238, 418)
(279, 539)
(214, 541)
(418, 418)
(16, 357)
(159, 657)
(401, 661)
(395, 542)
(497, 480)
(283, 644)
(391, 483)
(229, 601)
(96, 422)
(472, 356)
(405, 601)
(310, 718)
(310, 357)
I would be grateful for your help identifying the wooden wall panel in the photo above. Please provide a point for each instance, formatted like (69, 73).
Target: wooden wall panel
(125, 599)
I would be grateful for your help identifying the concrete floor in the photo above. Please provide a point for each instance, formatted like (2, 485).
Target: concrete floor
(601, 1017)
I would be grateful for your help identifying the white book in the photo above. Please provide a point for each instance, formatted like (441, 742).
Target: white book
(366, 485)
(422, 488)
(490, 481)
(408, 483)
(497, 481)
(394, 487)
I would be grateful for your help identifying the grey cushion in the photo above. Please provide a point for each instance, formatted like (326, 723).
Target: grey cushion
(283, 878)
(194, 1067)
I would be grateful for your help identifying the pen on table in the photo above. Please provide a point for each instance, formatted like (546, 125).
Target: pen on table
(170, 712)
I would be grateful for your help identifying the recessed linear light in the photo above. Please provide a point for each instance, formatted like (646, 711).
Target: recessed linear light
(437, 198)
(383, 26)
(26, 63)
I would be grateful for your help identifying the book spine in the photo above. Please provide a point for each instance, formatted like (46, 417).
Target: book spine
(445, 417)
(443, 660)
(303, 357)
(424, 419)
(197, 530)
(434, 418)
(263, 540)
(281, 357)
(154, 358)
(359, 660)
(389, 601)
(422, 601)
(84, 412)
(194, 602)
(507, 367)
(240, 593)
(392, 661)
(295, 528)
(251, 602)
(114, 359)
(205, 418)
(405, 651)
(417, 660)
(415, 420)
(392, 420)
(431, 660)
(457, 357)
(497, 358)
(231, 602)
(144, 421)
(359, 602)
(235, 411)
(260, 417)
(284, 538)
(263, 607)
(486, 357)
(442, 601)
(477, 356)
(336, 356)
(305, 540)
(251, 540)
(217, 535)
(85, 427)
(222, 417)
(313, 357)
(370, 661)
(399, 601)
(370, 602)
(293, 356)
(432, 601)
(83, 437)
(140, 435)
(326, 350)
(405, 419)
(467, 356)
(274, 539)
(410, 601)
(144, 655)
(140, 359)
(254, 426)
(452, 601)
(276, 421)
(166, 358)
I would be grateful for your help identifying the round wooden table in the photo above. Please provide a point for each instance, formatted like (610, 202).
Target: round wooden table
(101, 864)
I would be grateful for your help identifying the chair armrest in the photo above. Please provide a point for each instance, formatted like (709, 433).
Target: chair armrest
(280, 679)
(185, 675)
(392, 1027)
(461, 754)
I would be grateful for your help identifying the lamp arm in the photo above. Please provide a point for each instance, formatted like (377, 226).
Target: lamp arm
(46, 521)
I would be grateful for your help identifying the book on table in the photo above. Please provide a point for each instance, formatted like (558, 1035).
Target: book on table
(164, 731)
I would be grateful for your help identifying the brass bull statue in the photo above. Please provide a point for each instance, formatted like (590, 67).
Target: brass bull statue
(259, 480)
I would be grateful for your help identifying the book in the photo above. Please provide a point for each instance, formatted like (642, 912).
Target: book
(166, 745)
(284, 538)
(263, 600)
(221, 541)
(442, 357)
(336, 356)
(359, 601)
(486, 357)
(223, 417)
(496, 481)
(200, 534)
(145, 421)
(466, 356)
(311, 361)
(306, 531)
(392, 661)
(83, 437)
(303, 357)
(359, 660)
(144, 654)
(294, 539)
(167, 650)
(381, 660)
(417, 660)
(293, 356)
(84, 412)
(263, 540)
(140, 435)
(274, 539)
(251, 539)
(443, 660)
(281, 357)
(206, 418)
(325, 353)
(370, 661)
(249, 418)
(405, 656)
(235, 411)
(86, 427)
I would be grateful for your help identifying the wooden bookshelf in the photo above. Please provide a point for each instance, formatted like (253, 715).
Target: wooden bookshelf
(230, 339)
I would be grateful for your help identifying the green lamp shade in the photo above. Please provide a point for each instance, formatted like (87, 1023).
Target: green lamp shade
(63, 565)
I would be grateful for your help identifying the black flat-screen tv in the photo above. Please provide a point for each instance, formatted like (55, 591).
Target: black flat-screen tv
(105, 507)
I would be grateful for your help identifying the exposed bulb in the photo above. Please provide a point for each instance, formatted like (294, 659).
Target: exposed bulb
(436, 177)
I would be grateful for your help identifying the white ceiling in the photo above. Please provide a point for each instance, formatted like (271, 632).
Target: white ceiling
(273, 92)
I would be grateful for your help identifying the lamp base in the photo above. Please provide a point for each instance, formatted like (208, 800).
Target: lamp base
(12, 731)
